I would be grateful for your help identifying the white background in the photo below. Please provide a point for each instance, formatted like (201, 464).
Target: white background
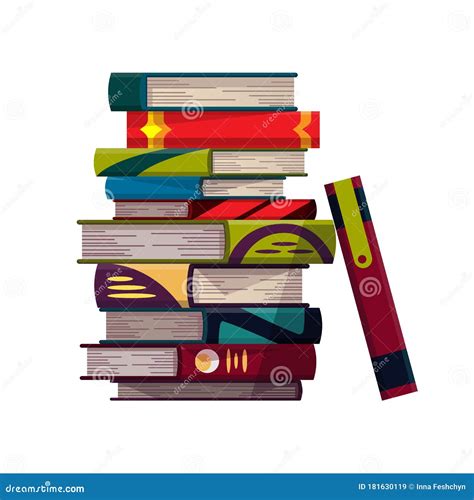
(393, 81)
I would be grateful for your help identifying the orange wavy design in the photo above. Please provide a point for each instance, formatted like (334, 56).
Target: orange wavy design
(305, 138)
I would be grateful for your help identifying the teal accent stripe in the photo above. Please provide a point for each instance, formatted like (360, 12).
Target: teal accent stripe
(208, 75)
(134, 166)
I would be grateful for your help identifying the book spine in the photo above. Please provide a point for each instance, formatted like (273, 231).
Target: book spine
(371, 288)
(221, 129)
(152, 162)
(279, 364)
(214, 391)
(161, 188)
(292, 242)
(142, 286)
(252, 209)
(127, 91)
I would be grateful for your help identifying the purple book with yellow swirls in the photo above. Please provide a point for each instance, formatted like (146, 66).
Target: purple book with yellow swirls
(132, 286)
(293, 242)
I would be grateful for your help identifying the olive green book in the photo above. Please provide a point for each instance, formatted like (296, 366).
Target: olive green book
(205, 241)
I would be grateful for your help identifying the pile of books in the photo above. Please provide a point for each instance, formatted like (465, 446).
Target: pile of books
(199, 274)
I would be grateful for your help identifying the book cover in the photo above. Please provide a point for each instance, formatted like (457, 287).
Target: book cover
(292, 242)
(242, 91)
(205, 391)
(190, 188)
(138, 162)
(275, 363)
(371, 288)
(187, 285)
(223, 130)
(216, 209)
(218, 325)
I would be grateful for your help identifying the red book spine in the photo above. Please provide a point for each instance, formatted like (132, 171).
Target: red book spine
(278, 363)
(223, 129)
(251, 209)
(371, 288)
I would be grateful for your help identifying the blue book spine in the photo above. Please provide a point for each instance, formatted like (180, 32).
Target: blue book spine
(154, 188)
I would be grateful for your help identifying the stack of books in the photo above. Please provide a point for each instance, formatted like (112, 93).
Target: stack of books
(199, 274)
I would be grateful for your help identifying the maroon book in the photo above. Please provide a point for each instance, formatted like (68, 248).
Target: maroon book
(279, 364)
(371, 288)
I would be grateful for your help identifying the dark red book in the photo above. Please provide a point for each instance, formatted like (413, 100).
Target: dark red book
(218, 209)
(223, 129)
(278, 363)
(371, 288)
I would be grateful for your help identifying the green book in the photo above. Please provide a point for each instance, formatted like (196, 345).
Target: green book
(134, 162)
(205, 241)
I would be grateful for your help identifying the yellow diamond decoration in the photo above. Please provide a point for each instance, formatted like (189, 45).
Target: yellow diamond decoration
(151, 130)
(155, 129)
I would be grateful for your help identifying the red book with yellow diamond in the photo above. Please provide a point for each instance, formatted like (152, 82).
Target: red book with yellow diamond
(223, 129)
